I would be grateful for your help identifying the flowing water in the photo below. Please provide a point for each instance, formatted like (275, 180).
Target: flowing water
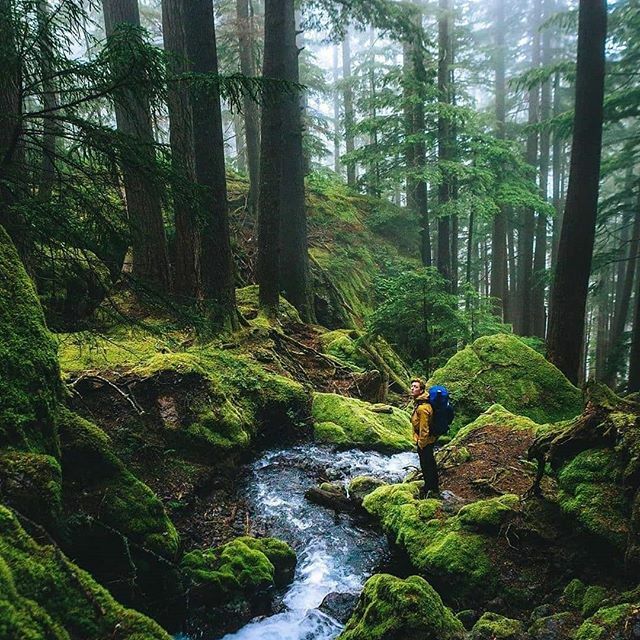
(335, 554)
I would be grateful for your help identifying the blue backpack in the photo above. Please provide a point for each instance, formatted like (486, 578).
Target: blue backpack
(442, 410)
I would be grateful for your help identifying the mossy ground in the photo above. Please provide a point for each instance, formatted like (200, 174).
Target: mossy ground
(351, 422)
(393, 609)
(502, 369)
(44, 595)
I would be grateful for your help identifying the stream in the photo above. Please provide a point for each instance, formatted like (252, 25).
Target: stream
(335, 555)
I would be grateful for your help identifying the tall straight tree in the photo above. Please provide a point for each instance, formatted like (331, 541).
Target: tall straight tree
(268, 260)
(186, 263)
(445, 142)
(634, 359)
(216, 260)
(524, 314)
(499, 286)
(249, 106)
(415, 126)
(294, 260)
(349, 117)
(570, 287)
(148, 241)
(540, 257)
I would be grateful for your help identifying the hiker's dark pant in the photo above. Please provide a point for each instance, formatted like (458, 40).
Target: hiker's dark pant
(428, 467)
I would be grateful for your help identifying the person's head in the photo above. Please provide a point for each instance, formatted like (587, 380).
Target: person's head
(417, 387)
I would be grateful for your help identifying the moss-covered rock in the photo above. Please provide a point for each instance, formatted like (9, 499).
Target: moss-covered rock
(29, 375)
(31, 482)
(502, 369)
(573, 595)
(44, 595)
(610, 622)
(489, 515)
(393, 609)
(362, 486)
(99, 486)
(350, 421)
(492, 626)
(239, 569)
(590, 493)
(594, 597)
(554, 627)
(441, 547)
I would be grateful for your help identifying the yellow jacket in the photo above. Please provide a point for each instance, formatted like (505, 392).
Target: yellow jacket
(421, 419)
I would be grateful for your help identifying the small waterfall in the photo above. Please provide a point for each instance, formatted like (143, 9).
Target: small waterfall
(335, 555)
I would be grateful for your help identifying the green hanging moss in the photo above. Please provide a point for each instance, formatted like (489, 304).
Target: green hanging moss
(393, 609)
(44, 595)
(502, 369)
(358, 426)
(29, 375)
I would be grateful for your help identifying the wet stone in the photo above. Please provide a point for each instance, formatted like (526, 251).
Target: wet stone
(339, 606)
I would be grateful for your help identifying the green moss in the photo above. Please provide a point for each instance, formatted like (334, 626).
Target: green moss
(393, 609)
(330, 433)
(361, 426)
(362, 352)
(489, 515)
(589, 493)
(361, 486)
(247, 301)
(436, 545)
(29, 375)
(492, 626)
(280, 554)
(496, 416)
(502, 369)
(606, 623)
(558, 625)
(31, 482)
(238, 569)
(44, 595)
(594, 596)
(99, 486)
(573, 593)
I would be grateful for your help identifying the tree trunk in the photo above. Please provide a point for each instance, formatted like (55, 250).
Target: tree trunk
(499, 287)
(186, 260)
(602, 326)
(216, 260)
(49, 103)
(566, 326)
(445, 150)
(558, 152)
(409, 126)
(10, 128)
(269, 217)
(336, 113)
(294, 272)
(623, 297)
(148, 241)
(634, 358)
(524, 314)
(349, 119)
(420, 154)
(249, 107)
(540, 256)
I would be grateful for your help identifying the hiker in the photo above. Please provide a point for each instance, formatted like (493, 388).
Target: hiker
(422, 422)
